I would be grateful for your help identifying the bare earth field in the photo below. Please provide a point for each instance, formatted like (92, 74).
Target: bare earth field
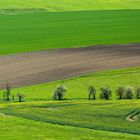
(44, 66)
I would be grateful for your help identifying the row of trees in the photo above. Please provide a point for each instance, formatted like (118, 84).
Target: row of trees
(7, 96)
(105, 92)
(121, 92)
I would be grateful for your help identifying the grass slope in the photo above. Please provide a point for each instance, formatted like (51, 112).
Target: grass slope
(41, 31)
(77, 87)
(70, 5)
(103, 120)
(43, 120)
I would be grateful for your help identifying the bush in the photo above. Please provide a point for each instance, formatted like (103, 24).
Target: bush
(129, 93)
(137, 92)
(120, 92)
(59, 92)
(91, 92)
(20, 97)
(105, 93)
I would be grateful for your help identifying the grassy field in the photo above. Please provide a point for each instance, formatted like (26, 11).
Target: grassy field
(99, 119)
(70, 5)
(51, 24)
(104, 120)
(41, 31)
(77, 87)
(46, 30)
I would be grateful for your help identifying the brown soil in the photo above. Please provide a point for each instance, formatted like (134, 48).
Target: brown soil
(44, 66)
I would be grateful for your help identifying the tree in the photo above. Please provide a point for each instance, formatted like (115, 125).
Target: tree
(13, 97)
(4, 95)
(120, 92)
(7, 92)
(91, 92)
(59, 92)
(137, 92)
(105, 93)
(129, 93)
(20, 97)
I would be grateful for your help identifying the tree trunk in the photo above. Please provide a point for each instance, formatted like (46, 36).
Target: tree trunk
(20, 99)
(89, 97)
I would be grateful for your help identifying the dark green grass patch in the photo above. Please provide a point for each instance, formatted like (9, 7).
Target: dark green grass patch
(41, 31)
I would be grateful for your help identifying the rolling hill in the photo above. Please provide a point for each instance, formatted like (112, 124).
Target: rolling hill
(35, 25)
(94, 119)
(70, 5)
(42, 31)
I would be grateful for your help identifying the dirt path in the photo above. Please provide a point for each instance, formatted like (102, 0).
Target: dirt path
(44, 66)
(133, 116)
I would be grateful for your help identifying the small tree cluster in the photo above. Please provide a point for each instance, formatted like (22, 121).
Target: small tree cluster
(7, 94)
(59, 92)
(127, 92)
(121, 92)
(106, 93)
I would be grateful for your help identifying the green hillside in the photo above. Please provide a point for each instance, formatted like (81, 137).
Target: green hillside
(34, 25)
(70, 5)
(77, 87)
(41, 118)
(69, 120)
(41, 31)
(114, 22)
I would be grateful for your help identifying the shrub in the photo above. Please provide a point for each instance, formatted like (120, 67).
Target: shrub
(59, 92)
(128, 93)
(20, 97)
(105, 93)
(137, 92)
(120, 91)
(91, 92)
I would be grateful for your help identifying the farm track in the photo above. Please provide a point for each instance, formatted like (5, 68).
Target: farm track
(45, 66)
(133, 116)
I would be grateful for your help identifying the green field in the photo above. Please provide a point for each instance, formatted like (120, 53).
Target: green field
(96, 22)
(77, 87)
(100, 120)
(34, 25)
(70, 5)
(41, 118)
(13, 128)
(41, 31)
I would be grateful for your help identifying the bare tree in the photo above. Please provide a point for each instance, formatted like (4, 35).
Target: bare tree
(20, 97)
(7, 92)
(91, 92)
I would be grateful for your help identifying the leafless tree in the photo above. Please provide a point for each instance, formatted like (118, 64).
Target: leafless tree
(7, 92)
(20, 97)
(91, 92)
